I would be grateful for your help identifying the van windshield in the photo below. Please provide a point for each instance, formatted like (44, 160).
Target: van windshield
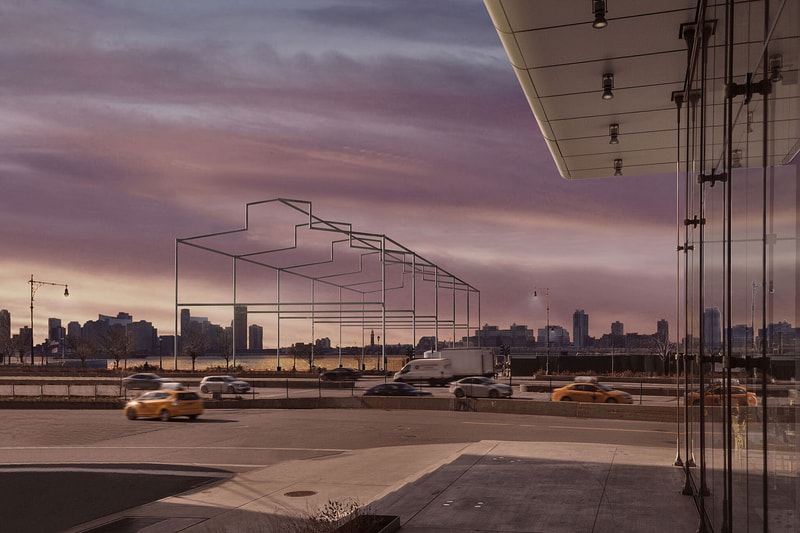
(405, 369)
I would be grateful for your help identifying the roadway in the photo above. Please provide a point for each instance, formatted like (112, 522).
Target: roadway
(105, 460)
(36, 386)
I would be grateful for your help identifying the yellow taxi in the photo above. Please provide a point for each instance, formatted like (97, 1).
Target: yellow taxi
(589, 390)
(715, 395)
(165, 404)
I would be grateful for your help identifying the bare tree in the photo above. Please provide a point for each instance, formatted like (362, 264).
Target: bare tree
(81, 347)
(5, 350)
(118, 343)
(226, 346)
(19, 345)
(663, 349)
(195, 342)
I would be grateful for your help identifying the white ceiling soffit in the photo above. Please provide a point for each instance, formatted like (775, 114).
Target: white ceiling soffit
(560, 59)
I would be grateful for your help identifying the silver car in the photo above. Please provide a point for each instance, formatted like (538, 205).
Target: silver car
(144, 381)
(479, 387)
(220, 384)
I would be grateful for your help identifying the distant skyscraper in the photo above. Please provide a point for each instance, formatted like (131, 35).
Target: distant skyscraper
(5, 335)
(712, 328)
(617, 329)
(5, 327)
(580, 328)
(54, 330)
(186, 317)
(662, 330)
(256, 337)
(74, 329)
(240, 327)
(144, 337)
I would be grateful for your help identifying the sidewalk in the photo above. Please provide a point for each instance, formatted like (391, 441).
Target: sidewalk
(484, 486)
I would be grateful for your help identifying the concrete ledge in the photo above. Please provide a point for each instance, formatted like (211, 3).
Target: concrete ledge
(522, 407)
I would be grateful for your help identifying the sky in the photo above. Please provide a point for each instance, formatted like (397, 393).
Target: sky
(127, 125)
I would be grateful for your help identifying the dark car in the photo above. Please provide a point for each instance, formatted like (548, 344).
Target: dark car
(395, 389)
(340, 374)
(144, 381)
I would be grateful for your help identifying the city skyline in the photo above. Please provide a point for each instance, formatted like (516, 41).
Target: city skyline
(136, 124)
(580, 321)
(64, 323)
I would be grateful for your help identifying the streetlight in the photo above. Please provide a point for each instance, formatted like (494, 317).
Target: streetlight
(34, 287)
(547, 330)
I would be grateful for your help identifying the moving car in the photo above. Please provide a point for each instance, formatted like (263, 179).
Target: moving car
(395, 389)
(220, 384)
(144, 381)
(340, 374)
(480, 387)
(588, 390)
(165, 404)
(715, 395)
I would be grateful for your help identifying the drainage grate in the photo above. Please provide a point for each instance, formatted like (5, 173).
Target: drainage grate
(300, 493)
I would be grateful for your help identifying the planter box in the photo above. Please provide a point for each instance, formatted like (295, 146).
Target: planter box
(370, 523)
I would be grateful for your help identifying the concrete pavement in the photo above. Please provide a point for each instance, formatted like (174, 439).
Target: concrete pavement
(435, 488)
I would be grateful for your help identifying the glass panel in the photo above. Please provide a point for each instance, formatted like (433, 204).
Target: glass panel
(739, 275)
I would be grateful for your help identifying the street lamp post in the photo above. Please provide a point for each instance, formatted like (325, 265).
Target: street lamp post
(35, 284)
(753, 318)
(547, 330)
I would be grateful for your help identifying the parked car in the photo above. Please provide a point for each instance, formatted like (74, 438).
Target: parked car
(165, 404)
(715, 394)
(340, 374)
(395, 389)
(144, 381)
(589, 390)
(220, 384)
(480, 387)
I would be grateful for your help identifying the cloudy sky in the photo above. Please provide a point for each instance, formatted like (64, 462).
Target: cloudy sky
(127, 125)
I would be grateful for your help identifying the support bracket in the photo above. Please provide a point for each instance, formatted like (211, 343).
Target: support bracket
(713, 177)
(748, 88)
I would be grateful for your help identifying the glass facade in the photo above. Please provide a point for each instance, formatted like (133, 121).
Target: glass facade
(737, 266)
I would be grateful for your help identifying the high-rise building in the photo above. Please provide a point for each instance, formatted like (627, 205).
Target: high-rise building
(712, 328)
(5, 327)
(74, 329)
(186, 317)
(580, 328)
(5, 335)
(558, 336)
(662, 330)
(54, 330)
(240, 327)
(617, 329)
(144, 337)
(256, 337)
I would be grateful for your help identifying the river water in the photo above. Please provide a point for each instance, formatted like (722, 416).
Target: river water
(257, 362)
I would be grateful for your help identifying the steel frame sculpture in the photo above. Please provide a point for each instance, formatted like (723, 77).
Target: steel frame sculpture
(366, 272)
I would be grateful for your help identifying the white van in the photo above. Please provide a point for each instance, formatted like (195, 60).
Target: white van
(430, 371)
